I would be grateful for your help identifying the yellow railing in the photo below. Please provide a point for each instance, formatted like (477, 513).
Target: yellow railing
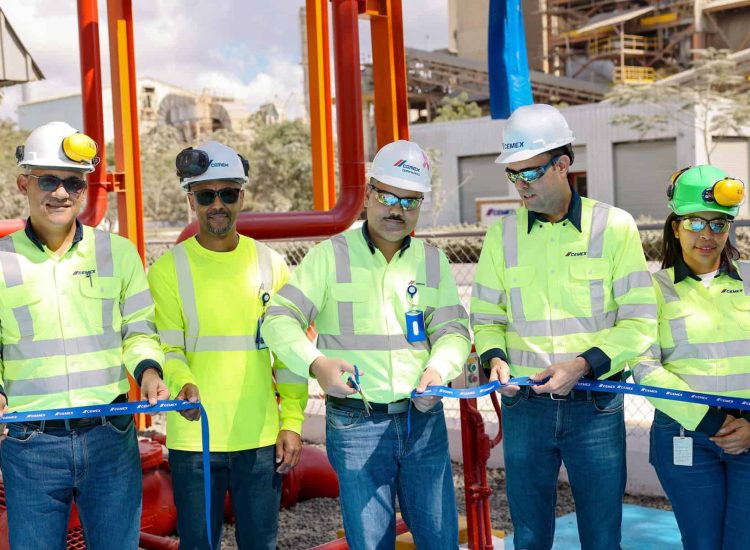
(630, 43)
(634, 75)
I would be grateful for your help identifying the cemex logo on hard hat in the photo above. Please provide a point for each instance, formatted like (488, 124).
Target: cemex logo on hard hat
(217, 164)
(514, 145)
(407, 167)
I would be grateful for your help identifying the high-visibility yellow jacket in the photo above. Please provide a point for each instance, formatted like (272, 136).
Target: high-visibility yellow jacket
(358, 301)
(546, 293)
(207, 309)
(71, 325)
(704, 343)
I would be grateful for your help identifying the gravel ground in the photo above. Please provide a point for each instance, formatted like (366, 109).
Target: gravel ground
(313, 522)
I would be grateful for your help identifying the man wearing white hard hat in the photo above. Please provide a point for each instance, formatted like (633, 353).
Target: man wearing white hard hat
(76, 317)
(211, 292)
(389, 321)
(562, 292)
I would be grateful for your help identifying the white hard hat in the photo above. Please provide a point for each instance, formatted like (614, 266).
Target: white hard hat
(210, 161)
(531, 130)
(402, 164)
(59, 146)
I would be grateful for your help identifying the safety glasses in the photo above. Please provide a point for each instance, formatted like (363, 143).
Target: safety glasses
(389, 199)
(227, 195)
(530, 175)
(50, 184)
(696, 224)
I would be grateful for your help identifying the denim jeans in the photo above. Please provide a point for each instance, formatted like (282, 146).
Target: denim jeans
(711, 498)
(45, 471)
(254, 489)
(375, 460)
(586, 432)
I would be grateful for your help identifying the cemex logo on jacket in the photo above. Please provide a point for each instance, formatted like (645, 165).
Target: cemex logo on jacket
(576, 253)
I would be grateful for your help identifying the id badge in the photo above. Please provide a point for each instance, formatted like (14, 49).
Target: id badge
(682, 450)
(259, 342)
(415, 331)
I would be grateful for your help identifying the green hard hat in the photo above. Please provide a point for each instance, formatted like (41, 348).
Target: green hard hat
(704, 189)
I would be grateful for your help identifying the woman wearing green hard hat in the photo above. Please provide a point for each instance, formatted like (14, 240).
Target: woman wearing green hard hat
(703, 295)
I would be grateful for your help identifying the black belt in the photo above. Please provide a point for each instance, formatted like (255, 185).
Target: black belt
(120, 421)
(396, 407)
(574, 395)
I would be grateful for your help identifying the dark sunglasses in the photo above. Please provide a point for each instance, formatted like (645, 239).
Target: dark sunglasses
(50, 184)
(194, 162)
(530, 175)
(697, 224)
(206, 197)
(389, 199)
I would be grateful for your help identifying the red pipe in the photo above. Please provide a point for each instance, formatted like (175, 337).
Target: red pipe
(276, 225)
(93, 111)
(312, 477)
(340, 544)
(155, 542)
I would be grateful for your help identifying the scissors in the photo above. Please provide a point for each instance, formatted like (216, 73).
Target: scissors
(354, 383)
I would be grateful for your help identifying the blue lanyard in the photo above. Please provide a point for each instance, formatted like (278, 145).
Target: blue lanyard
(598, 385)
(116, 409)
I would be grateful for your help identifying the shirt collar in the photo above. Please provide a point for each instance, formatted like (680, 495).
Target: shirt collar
(682, 271)
(40, 245)
(573, 215)
(406, 243)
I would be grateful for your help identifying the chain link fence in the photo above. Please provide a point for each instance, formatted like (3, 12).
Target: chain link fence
(462, 249)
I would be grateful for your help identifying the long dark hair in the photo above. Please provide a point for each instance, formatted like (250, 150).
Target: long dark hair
(671, 249)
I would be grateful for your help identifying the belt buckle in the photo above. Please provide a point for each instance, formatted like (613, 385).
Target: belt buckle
(558, 397)
(397, 408)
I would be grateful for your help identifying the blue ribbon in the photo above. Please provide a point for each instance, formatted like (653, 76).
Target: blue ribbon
(117, 409)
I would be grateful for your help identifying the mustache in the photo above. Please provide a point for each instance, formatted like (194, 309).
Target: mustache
(218, 211)
(394, 217)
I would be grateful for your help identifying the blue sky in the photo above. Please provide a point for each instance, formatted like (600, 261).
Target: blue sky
(247, 48)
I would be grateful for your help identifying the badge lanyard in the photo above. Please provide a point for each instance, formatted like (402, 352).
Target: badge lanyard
(265, 297)
(415, 331)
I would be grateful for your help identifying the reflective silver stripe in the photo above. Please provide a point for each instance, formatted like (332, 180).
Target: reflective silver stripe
(265, 265)
(744, 268)
(65, 382)
(174, 338)
(368, 342)
(187, 293)
(599, 217)
(302, 302)
(564, 327)
(178, 355)
(666, 285)
(636, 311)
(729, 382)
(537, 360)
(27, 348)
(706, 350)
(104, 268)
(596, 296)
(136, 302)
(431, 266)
(285, 311)
(516, 305)
(346, 317)
(9, 262)
(644, 368)
(221, 343)
(510, 240)
(24, 320)
(450, 328)
(487, 294)
(637, 279)
(341, 258)
(478, 319)
(285, 376)
(448, 313)
(137, 327)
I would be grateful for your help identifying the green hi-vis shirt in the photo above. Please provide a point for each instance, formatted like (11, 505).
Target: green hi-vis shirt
(207, 310)
(358, 302)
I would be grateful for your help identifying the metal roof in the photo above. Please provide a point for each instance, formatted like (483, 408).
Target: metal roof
(16, 63)
(612, 18)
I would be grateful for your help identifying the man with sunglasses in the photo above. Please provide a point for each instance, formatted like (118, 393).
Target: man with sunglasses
(386, 307)
(211, 292)
(562, 291)
(76, 318)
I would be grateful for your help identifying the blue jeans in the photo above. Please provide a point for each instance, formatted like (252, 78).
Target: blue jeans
(586, 432)
(375, 461)
(711, 498)
(45, 471)
(254, 489)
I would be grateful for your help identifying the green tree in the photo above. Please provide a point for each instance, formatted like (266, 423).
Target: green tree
(163, 199)
(714, 100)
(457, 108)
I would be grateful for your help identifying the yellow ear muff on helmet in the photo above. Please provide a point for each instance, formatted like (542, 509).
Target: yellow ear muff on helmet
(79, 147)
(729, 192)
